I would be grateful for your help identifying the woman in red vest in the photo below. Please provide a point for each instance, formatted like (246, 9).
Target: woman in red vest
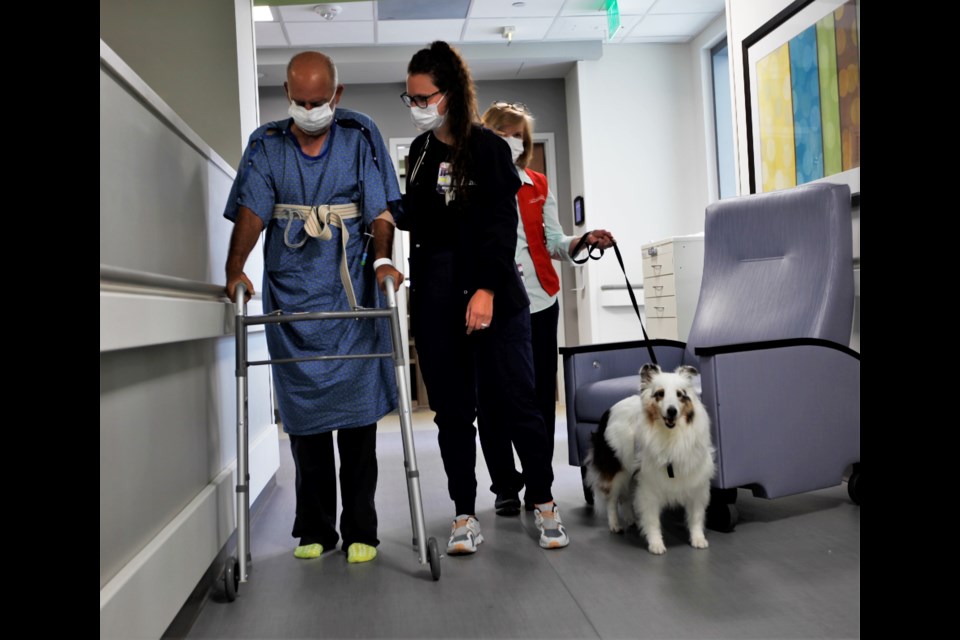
(540, 238)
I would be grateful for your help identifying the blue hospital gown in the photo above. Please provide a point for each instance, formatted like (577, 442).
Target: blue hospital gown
(354, 166)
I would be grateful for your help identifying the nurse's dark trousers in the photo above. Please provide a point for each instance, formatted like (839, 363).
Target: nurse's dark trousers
(492, 368)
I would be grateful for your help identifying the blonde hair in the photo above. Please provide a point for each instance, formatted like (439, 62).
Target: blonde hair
(500, 115)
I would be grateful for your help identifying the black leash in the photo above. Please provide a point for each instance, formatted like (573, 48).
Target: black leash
(592, 254)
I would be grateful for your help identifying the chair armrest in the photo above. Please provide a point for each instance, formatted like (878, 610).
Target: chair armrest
(702, 351)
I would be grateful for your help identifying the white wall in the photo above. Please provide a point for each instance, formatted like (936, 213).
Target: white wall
(187, 52)
(641, 166)
(167, 401)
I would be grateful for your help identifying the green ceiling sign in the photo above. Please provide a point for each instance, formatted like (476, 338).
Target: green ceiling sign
(613, 18)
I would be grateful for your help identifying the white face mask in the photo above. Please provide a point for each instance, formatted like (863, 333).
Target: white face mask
(427, 118)
(516, 147)
(313, 121)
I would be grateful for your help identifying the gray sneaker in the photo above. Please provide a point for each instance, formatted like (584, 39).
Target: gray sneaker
(553, 535)
(464, 536)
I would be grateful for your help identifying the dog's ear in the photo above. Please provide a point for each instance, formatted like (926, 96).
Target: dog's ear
(687, 372)
(647, 372)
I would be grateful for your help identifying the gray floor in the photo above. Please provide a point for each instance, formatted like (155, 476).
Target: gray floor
(790, 570)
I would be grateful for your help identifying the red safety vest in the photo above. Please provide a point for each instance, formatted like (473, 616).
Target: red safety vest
(531, 198)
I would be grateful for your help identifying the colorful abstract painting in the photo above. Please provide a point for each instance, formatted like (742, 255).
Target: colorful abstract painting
(777, 156)
(808, 102)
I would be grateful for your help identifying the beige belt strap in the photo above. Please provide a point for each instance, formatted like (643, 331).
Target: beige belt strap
(316, 223)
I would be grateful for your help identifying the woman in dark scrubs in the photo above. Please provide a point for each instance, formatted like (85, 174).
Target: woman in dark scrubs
(471, 317)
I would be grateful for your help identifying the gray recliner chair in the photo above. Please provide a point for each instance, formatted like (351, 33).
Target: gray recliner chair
(769, 338)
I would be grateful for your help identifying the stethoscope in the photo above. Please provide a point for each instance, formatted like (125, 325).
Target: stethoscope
(416, 167)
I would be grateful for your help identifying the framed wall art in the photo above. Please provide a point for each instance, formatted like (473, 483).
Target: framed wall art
(802, 90)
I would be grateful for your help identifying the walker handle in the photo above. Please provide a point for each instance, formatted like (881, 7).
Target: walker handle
(391, 291)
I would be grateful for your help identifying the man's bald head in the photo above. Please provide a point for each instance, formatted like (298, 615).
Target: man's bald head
(313, 67)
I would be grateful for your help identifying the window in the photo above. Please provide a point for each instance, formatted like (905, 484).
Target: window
(723, 119)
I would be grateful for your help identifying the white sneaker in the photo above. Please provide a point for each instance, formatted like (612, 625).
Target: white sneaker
(464, 535)
(552, 533)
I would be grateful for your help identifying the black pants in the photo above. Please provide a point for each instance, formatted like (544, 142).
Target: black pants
(492, 369)
(494, 440)
(316, 520)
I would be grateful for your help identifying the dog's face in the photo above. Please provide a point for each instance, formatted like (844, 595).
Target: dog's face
(668, 398)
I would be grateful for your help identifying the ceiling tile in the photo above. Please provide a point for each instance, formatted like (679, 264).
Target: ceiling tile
(270, 34)
(320, 34)
(418, 31)
(505, 9)
(637, 7)
(678, 24)
(349, 12)
(491, 29)
(686, 6)
(422, 9)
(579, 28)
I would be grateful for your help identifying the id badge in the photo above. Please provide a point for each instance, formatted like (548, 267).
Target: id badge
(444, 177)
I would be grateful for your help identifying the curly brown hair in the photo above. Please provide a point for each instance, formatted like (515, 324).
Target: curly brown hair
(451, 75)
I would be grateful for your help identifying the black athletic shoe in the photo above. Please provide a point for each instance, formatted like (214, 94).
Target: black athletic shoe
(507, 504)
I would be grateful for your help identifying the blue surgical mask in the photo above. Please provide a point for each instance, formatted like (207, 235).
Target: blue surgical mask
(428, 118)
(313, 121)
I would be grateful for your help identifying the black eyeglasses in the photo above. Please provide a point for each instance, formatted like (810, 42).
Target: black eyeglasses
(516, 106)
(420, 101)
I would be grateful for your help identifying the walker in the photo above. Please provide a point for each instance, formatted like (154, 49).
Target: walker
(236, 570)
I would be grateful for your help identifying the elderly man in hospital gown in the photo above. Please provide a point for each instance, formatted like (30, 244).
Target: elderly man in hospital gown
(322, 185)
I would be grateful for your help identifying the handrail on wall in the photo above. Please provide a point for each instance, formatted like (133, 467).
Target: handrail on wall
(118, 277)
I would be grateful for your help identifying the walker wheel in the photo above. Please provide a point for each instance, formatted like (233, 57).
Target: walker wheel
(853, 487)
(433, 554)
(231, 578)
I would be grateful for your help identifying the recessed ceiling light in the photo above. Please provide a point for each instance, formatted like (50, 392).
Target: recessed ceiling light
(262, 14)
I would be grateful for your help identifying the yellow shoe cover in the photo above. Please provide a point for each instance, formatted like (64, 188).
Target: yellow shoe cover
(307, 551)
(359, 552)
